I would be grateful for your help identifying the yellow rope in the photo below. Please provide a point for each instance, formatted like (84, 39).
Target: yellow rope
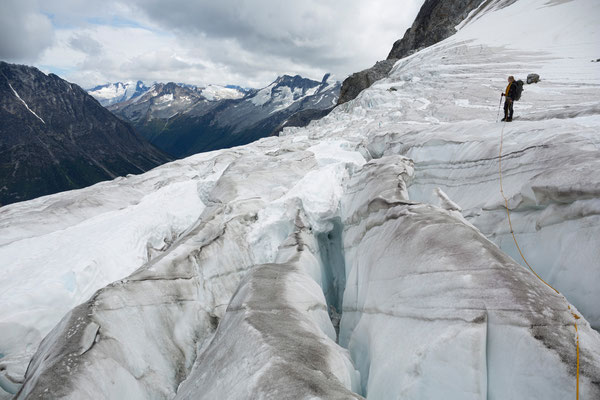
(577, 334)
(512, 232)
(508, 214)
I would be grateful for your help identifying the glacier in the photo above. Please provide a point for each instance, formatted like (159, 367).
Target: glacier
(366, 255)
(216, 92)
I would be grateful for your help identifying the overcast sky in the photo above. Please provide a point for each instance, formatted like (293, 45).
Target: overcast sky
(241, 42)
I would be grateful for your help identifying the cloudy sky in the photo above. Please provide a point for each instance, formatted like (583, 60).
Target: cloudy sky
(242, 42)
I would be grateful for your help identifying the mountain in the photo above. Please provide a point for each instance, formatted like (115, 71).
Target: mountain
(436, 20)
(150, 112)
(118, 92)
(55, 137)
(183, 121)
(368, 254)
(114, 93)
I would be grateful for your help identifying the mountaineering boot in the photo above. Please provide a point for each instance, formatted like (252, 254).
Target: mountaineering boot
(503, 119)
(508, 119)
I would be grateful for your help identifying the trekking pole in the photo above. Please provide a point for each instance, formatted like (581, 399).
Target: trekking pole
(499, 106)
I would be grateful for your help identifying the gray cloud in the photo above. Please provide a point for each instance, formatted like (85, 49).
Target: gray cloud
(159, 63)
(331, 35)
(205, 41)
(85, 43)
(24, 31)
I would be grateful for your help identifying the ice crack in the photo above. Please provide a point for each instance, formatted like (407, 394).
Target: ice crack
(333, 272)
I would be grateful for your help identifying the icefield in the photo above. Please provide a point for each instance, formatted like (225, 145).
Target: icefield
(367, 255)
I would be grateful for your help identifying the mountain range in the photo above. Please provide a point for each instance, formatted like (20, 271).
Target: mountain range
(119, 92)
(183, 120)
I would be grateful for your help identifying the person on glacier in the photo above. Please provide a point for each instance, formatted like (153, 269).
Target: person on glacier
(511, 95)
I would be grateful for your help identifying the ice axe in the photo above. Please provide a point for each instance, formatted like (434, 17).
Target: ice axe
(499, 106)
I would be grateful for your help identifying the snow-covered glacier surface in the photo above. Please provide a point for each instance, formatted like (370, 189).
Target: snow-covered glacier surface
(367, 255)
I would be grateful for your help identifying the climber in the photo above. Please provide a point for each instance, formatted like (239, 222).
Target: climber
(511, 95)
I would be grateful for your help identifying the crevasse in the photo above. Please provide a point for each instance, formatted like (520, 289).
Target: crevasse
(333, 270)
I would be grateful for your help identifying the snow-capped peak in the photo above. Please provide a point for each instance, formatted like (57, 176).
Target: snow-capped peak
(286, 90)
(112, 93)
(216, 92)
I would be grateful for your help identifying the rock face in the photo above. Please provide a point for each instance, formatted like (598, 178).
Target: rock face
(359, 81)
(435, 22)
(185, 120)
(301, 119)
(55, 137)
(533, 78)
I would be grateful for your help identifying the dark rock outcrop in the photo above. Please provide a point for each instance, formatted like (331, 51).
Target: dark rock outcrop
(302, 118)
(359, 81)
(435, 22)
(533, 78)
(56, 137)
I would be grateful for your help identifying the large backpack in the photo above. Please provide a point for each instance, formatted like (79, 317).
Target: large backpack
(518, 90)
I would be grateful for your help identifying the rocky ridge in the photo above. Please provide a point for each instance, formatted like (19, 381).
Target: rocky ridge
(435, 22)
(56, 137)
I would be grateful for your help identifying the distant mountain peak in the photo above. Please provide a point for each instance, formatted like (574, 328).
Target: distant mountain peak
(112, 93)
(295, 81)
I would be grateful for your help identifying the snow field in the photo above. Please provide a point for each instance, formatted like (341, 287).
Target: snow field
(267, 320)
(215, 92)
(200, 272)
(115, 243)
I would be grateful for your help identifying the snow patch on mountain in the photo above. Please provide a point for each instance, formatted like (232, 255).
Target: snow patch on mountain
(263, 95)
(167, 98)
(112, 93)
(25, 104)
(216, 93)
